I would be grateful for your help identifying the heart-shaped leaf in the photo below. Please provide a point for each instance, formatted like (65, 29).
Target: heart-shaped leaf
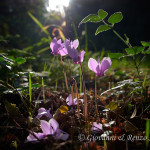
(102, 14)
(115, 18)
(102, 28)
(90, 18)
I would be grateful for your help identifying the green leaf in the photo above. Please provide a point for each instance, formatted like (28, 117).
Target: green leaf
(112, 106)
(143, 84)
(39, 24)
(102, 14)
(148, 51)
(145, 43)
(134, 50)
(20, 60)
(1, 59)
(115, 55)
(43, 50)
(36, 85)
(90, 18)
(115, 18)
(102, 28)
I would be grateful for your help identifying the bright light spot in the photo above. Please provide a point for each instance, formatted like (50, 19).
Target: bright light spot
(57, 5)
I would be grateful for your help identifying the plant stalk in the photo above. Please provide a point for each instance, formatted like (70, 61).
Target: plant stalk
(96, 97)
(66, 81)
(85, 98)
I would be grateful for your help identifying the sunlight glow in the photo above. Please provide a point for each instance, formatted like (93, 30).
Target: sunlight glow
(57, 5)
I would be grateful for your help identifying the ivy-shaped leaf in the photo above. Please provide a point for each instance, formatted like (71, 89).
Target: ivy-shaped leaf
(90, 18)
(115, 18)
(134, 50)
(145, 43)
(102, 28)
(102, 14)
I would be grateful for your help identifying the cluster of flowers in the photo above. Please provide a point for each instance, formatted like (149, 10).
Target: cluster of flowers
(51, 127)
(70, 48)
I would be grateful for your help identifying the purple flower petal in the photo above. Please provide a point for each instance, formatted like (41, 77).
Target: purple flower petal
(105, 65)
(92, 64)
(73, 52)
(43, 111)
(53, 126)
(61, 135)
(45, 126)
(97, 127)
(75, 43)
(56, 46)
(63, 52)
(35, 136)
(82, 55)
(69, 100)
(99, 68)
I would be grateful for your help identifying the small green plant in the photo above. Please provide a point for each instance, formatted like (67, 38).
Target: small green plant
(130, 51)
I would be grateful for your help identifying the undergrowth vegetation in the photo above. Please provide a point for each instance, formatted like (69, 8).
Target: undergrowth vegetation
(81, 99)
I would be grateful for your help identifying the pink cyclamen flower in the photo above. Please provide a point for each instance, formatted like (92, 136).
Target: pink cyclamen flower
(71, 47)
(44, 112)
(97, 127)
(49, 128)
(70, 102)
(57, 47)
(99, 68)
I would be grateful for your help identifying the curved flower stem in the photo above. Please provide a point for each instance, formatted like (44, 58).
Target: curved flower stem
(77, 99)
(96, 97)
(85, 98)
(72, 94)
(72, 83)
(64, 74)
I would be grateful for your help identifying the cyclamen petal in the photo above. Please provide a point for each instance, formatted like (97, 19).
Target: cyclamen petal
(53, 126)
(35, 136)
(92, 64)
(82, 55)
(63, 52)
(70, 102)
(57, 47)
(106, 63)
(75, 43)
(61, 135)
(98, 127)
(48, 128)
(73, 52)
(99, 68)
(45, 126)
(43, 111)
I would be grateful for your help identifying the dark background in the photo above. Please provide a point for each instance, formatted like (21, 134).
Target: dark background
(20, 30)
